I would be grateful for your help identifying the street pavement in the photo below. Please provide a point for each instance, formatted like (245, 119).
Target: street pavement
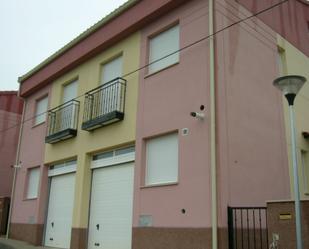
(16, 244)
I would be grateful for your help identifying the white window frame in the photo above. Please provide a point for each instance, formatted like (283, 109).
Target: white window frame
(62, 168)
(33, 183)
(69, 87)
(115, 157)
(72, 86)
(161, 45)
(104, 77)
(164, 168)
(41, 108)
(107, 94)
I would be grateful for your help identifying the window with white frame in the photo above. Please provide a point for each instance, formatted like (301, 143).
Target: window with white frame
(111, 70)
(163, 49)
(33, 183)
(40, 110)
(111, 96)
(69, 91)
(162, 159)
(305, 169)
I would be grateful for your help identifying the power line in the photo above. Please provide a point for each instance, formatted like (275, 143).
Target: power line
(168, 55)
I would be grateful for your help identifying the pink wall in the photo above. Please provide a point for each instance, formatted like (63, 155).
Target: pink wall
(252, 160)
(252, 163)
(31, 155)
(10, 115)
(165, 102)
(289, 19)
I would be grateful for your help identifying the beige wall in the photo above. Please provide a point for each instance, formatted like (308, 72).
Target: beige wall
(115, 135)
(297, 63)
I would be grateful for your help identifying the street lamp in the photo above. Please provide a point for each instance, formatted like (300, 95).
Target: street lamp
(290, 86)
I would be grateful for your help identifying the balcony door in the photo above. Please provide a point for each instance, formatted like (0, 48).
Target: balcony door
(68, 111)
(110, 95)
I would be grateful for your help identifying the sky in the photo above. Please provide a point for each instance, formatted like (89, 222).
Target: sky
(32, 30)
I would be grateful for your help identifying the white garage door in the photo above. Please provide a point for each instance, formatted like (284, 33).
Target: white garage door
(60, 210)
(110, 224)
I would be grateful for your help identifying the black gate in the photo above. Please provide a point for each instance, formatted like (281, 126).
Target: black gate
(247, 227)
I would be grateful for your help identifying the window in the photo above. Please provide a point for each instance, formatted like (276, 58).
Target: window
(111, 70)
(305, 169)
(33, 183)
(111, 96)
(162, 45)
(70, 91)
(68, 114)
(41, 109)
(162, 159)
(114, 153)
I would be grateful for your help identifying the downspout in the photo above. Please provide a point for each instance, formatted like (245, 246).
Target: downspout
(15, 169)
(212, 92)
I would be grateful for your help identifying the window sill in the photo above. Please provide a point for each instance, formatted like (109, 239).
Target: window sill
(39, 124)
(159, 185)
(160, 70)
(30, 199)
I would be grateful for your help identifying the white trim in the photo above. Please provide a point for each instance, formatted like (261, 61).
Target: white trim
(62, 170)
(33, 182)
(105, 162)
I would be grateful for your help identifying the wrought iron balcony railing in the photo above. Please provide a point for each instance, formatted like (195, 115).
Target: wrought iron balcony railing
(62, 122)
(104, 105)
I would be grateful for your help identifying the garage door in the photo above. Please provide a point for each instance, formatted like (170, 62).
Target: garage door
(60, 210)
(110, 224)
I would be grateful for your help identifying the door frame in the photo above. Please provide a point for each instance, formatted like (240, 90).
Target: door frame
(108, 162)
(52, 173)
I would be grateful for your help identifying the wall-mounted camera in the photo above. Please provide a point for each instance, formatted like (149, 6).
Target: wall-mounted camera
(198, 115)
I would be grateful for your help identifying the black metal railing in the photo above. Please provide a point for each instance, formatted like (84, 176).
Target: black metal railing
(104, 104)
(62, 121)
(247, 228)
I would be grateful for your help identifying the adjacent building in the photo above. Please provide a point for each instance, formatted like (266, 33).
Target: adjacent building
(145, 130)
(11, 107)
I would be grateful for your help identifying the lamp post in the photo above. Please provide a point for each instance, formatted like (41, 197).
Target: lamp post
(290, 86)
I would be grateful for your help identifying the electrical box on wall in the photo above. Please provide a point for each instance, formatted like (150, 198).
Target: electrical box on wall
(145, 221)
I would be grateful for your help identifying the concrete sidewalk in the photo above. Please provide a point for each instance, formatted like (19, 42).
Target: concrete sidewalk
(16, 244)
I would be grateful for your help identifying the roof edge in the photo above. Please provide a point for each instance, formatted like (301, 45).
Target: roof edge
(83, 35)
(13, 92)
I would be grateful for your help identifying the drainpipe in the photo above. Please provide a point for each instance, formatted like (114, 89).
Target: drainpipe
(213, 127)
(16, 166)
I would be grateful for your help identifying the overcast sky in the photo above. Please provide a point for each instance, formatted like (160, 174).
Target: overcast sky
(32, 30)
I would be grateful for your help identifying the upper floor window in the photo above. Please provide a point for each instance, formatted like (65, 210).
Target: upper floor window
(111, 70)
(160, 48)
(69, 91)
(40, 110)
(162, 159)
(33, 183)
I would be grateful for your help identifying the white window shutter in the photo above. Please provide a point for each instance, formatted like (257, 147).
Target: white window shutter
(163, 45)
(112, 70)
(70, 91)
(41, 109)
(33, 183)
(162, 159)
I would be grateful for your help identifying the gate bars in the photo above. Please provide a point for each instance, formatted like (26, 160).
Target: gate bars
(247, 228)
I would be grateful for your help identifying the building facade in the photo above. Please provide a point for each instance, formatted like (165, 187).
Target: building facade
(11, 108)
(122, 140)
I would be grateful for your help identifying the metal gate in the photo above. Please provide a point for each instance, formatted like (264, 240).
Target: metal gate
(247, 228)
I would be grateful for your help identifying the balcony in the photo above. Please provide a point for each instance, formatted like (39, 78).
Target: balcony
(104, 105)
(62, 122)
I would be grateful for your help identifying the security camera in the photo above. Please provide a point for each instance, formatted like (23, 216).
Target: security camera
(198, 115)
(16, 166)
